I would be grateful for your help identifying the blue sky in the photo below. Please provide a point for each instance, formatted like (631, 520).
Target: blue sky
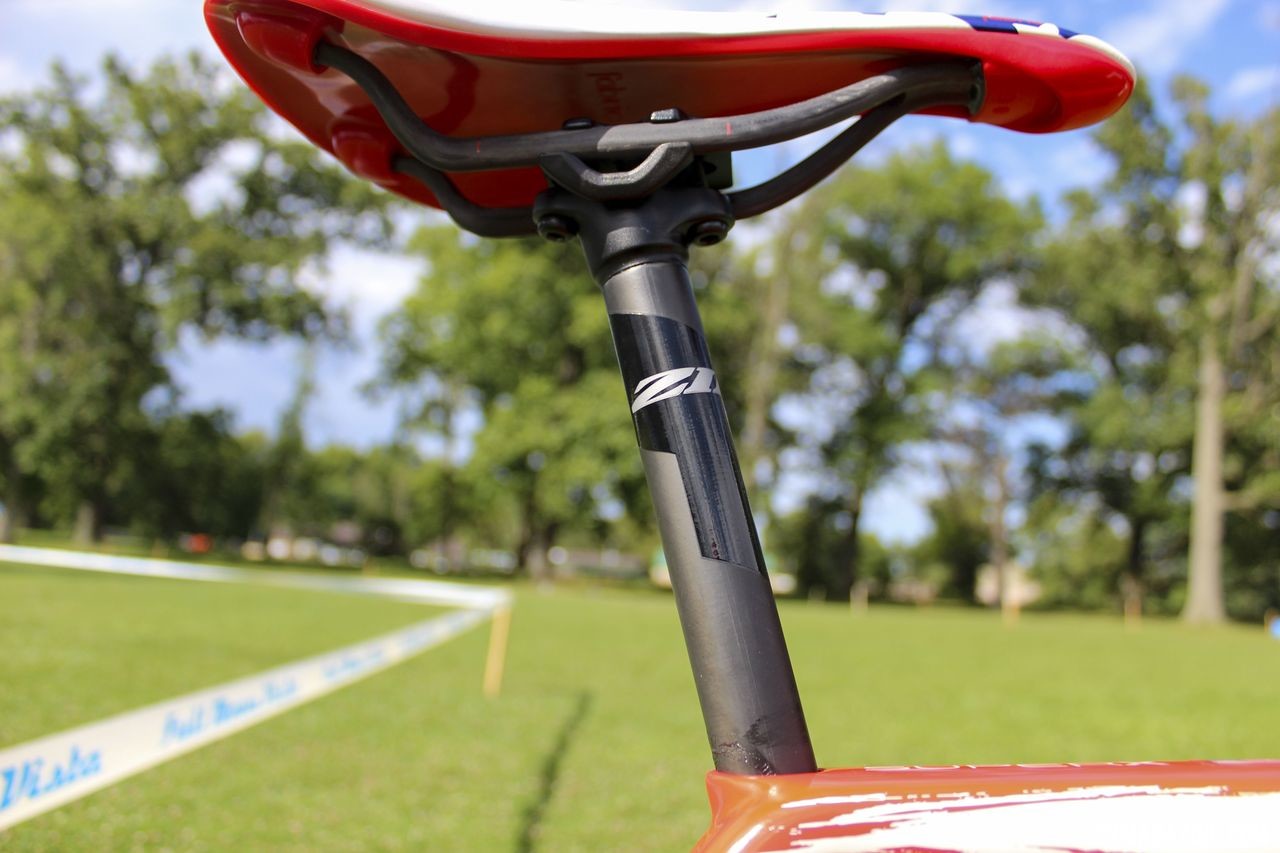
(1232, 44)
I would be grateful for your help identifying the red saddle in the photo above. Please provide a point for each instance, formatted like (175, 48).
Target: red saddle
(495, 67)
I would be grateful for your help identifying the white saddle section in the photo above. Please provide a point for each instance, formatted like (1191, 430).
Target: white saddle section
(561, 19)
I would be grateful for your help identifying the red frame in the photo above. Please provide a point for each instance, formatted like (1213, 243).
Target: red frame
(799, 812)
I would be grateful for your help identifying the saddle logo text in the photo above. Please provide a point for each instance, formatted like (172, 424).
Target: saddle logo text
(674, 383)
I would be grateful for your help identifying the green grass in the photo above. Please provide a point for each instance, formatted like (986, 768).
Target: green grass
(79, 646)
(596, 743)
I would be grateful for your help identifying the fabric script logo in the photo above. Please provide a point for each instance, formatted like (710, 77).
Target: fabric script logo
(31, 780)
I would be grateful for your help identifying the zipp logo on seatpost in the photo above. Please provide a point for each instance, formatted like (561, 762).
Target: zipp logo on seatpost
(674, 383)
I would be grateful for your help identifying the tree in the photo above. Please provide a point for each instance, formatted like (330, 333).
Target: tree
(1165, 270)
(518, 330)
(1121, 385)
(133, 213)
(988, 394)
(1238, 169)
(811, 541)
(745, 301)
(1075, 554)
(200, 478)
(290, 490)
(960, 541)
(560, 453)
(901, 248)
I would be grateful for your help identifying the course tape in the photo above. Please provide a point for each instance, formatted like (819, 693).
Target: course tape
(43, 774)
(412, 590)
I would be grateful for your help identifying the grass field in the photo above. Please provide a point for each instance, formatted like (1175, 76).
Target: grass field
(596, 743)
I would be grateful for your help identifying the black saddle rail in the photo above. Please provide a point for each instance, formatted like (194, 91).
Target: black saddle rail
(662, 147)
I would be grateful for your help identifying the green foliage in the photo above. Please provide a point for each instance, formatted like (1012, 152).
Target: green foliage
(154, 208)
(812, 542)
(117, 238)
(518, 329)
(959, 543)
(200, 477)
(489, 313)
(567, 449)
(1161, 273)
(1252, 556)
(1076, 557)
(899, 250)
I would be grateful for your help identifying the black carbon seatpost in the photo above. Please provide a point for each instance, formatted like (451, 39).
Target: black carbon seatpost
(637, 253)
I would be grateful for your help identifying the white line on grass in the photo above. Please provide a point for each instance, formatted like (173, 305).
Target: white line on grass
(417, 591)
(43, 774)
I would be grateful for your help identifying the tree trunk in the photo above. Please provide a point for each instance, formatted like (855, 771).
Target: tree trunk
(536, 560)
(530, 534)
(9, 522)
(1131, 586)
(540, 568)
(525, 546)
(1000, 537)
(762, 379)
(845, 571)
(11, 518)
(88, 527)
(448, 517)
(14, 507)
(1208, 507)
(811, 572)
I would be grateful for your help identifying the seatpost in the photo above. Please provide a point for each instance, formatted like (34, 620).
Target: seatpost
(637, 251)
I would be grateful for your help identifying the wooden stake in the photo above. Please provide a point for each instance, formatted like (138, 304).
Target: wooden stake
(496, 659)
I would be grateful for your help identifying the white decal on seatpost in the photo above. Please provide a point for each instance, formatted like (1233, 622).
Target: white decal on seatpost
(674, 383)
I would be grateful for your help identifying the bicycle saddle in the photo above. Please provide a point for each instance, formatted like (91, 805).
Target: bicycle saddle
(461, 105)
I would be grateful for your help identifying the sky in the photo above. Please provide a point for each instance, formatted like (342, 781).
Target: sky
(1234, 45)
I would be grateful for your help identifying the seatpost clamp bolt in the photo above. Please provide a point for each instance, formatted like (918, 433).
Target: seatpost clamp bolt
(708, 232)
(556, 228)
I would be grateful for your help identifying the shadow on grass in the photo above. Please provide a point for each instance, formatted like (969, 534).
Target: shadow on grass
(531, 822)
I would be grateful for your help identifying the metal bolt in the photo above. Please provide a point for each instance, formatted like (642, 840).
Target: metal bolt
(667, 116)
(556, 228)
(708, 232)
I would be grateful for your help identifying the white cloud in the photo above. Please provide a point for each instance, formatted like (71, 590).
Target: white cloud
(1078, 159)
(1001, 8)
(370, 284)
(996, 318)
(253, 381)
(1191, 201)
(1252, 82)
(1269, 16)
(256, 381)
(964, 145)
(13, 78)
(62, 8)
(1156, 37)
(719, 5)
(895, 509)
(1006, 8)
(767, 6)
